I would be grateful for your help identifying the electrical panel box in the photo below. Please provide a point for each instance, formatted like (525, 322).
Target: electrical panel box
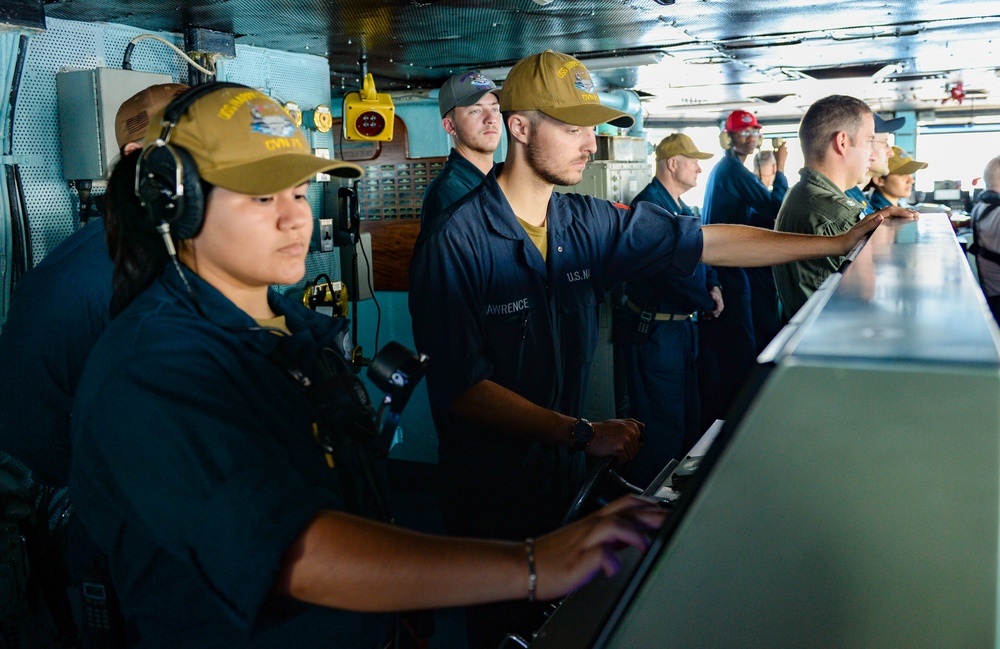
(613, 180)
(621, 148)
(88, 102)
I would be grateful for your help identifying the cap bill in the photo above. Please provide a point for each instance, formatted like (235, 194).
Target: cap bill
(591, 114)
(474, 97)
(909, 167)
(277, 173)
(883, 125)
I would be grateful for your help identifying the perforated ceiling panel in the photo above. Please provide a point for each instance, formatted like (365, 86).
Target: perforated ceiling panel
(52, 205)
(714, 55)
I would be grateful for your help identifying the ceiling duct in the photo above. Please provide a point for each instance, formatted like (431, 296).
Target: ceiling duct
(915, 76)
(863, 70)
(771, 99)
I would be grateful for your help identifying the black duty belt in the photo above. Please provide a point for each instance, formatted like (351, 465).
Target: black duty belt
(646, 315)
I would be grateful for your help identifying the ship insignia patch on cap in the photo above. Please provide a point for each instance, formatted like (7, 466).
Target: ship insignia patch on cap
(277, 125)
(482, 82)
(584, 82)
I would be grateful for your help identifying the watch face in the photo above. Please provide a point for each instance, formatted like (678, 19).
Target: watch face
(583, 431)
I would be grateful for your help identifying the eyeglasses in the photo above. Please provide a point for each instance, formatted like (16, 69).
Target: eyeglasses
(750, 132)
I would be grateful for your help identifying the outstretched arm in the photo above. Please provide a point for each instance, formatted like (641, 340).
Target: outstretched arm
(737, 245)
(352, 563)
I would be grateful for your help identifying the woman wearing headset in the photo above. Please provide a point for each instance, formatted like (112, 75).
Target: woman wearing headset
(236, 507)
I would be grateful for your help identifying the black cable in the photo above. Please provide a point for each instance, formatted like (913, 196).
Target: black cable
(355, 290)
(164, 230)
(371, 289)
(22, 49)
(21, 257)
(378, 416)
(20, 228)
(127, 59)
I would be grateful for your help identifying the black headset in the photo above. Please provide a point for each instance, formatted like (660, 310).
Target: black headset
(166, 180)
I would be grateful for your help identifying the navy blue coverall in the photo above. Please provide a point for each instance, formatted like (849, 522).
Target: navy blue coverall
(196, 464)
(661, 368)
(457, 178)
(731, 342)
(485, 305)
(57, 312)
(879, 201)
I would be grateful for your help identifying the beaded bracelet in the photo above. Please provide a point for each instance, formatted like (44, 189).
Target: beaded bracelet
(529, 546)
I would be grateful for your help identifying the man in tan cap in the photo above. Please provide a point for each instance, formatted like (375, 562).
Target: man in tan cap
(45, 344)
(898, 182)
(657, 333)
(503, 298)
(470, 114)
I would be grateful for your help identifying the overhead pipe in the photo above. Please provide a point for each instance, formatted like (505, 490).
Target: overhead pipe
(626, 101)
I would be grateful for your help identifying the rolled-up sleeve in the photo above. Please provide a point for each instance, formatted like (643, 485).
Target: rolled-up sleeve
(650, 239)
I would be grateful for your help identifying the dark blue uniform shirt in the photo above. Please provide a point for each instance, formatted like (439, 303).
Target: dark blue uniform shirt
(669, 292)
(878, 201)
(195, 467)
(660, 365)
(485, 305)
(457, 178)
(734, 195)
(732, 341)
(57, 312)
(860, 197)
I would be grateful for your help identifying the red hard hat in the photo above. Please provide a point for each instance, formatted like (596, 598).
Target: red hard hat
(739, 120)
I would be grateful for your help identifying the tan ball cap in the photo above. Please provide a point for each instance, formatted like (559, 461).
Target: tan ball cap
(679, 144)
(559, 86)
(244, 141)
(901, 163)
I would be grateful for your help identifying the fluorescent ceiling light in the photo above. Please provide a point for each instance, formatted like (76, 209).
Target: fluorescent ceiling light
(593, 64)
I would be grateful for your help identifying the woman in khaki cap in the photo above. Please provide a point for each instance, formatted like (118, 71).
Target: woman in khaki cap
(898, 183)
(225, 452)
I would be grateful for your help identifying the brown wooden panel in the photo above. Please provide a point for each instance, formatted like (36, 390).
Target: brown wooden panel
(392, 248)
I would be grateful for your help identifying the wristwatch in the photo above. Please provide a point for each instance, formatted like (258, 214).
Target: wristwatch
(583, 434)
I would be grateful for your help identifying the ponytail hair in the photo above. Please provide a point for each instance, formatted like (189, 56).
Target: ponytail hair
(136, 248)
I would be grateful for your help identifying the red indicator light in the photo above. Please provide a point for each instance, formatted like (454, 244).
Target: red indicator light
(369, 123)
